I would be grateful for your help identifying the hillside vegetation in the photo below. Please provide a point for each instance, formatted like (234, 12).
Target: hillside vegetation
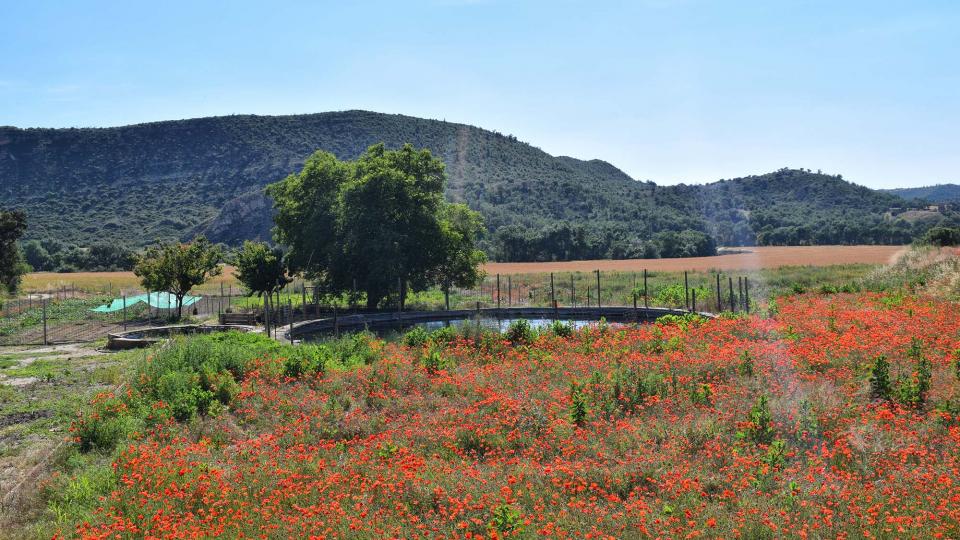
(935, 194)
(134, 184)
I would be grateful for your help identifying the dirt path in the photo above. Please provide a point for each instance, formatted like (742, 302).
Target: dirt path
(750, 258)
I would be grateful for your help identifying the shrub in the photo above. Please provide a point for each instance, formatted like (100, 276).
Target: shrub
(444, 335)
(561, 329)
(701, 394)
(578, 405)
(880, 386)
(519, 332)
(416, 337)
(761, 422)
(506, 519)
(746, 367)
(105, 425)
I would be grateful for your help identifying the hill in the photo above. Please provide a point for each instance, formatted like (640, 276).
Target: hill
(935, 194)
(131, 185)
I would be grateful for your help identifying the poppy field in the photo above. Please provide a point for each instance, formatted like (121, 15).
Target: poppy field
(838, 415)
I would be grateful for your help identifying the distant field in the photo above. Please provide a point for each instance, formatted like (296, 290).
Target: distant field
(104, 281)
(752, 258)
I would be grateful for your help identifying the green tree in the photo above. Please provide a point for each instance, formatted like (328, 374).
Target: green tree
(459, 262)
(261, 269)
(12, 226)
(178, 268)
(379, 222)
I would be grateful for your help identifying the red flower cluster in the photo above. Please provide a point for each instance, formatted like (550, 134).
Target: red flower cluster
(736, 427)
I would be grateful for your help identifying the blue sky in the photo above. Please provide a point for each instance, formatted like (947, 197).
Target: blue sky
(671, 91)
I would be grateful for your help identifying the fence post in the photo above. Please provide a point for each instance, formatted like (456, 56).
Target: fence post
(553, 293)
(733, 302)
(230, 297)
(510, 291)
(124, 312)
(446, 297)
(740, 291)
(290, 308)
(719, 301)
(646, 302)
(266, 313)
(598, 289)
(573, 290)
(45, 321)
(746, 292)
(686, 290)
(693, 303)
(498, 291)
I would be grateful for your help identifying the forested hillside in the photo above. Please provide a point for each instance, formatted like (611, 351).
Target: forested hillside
(134, 184)
(935, 194)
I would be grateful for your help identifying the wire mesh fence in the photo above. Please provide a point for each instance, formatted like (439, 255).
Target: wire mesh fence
(64, 314)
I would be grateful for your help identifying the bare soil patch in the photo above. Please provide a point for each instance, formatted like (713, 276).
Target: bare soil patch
(750, 259)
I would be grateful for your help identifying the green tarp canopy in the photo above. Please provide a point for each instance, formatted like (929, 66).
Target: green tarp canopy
(161, 300)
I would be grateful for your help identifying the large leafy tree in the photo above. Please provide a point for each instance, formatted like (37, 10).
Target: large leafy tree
(379, 222)
(261, 269)
(12, 226)
(178, 268)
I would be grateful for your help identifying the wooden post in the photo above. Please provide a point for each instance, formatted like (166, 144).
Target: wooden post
(266, 313)
(686, 290)
(553, 293)
(498, 291)
(290, 307)
(719, 301)
(733, 302)
(230, 297)
(598, 288)
(509, 291)
(646, 297)
(746, 293)
(124, 312)
(573, 290)
(45, 322)
(693, 302)
(740, 292)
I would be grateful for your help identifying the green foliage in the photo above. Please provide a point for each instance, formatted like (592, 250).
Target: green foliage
(416, 337)
(13, 224)
(880, 385)
(520, 332)
(130, 185)
(760, 430)
(52, 255)
(178, 268)
(776, 453)
(913, 390)
(434, 361)
(701, 395)
(683, 321)
(104, 426)
(561, 329)
(378, 223)
(578, 405)
(941, 236)
(507, 519)
(747, 364)
(676, 296)
(260, 268)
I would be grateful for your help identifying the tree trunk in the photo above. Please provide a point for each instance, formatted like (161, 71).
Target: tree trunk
(372, 299)
(179, 307)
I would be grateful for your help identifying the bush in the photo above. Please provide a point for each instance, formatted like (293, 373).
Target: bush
(104, 426)
(519, 332)
(761, 422)
(880, 386)
(416, 337)
(561, 329)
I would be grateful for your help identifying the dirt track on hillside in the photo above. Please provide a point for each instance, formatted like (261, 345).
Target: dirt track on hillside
(750, 258)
